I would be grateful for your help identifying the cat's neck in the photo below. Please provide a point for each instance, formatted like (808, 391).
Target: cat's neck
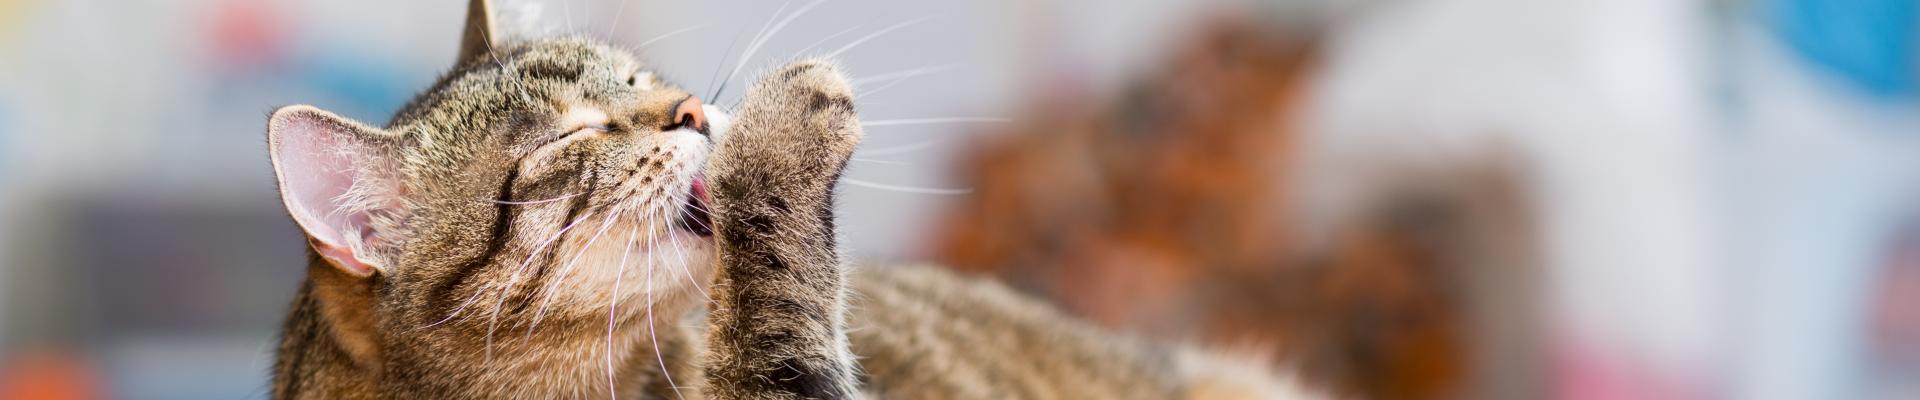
(544, 366)
(323, 353)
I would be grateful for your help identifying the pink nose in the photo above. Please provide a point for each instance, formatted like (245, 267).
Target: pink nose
(689, 114)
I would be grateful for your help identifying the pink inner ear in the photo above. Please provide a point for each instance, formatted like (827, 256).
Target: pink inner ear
(314, 155)
(314, 174)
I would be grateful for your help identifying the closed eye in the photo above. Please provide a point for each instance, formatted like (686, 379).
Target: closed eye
(590, 128)
(643, 80)
(581, 119)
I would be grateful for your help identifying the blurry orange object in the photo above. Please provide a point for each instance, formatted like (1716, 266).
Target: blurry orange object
(1166, 211)
(49, 375)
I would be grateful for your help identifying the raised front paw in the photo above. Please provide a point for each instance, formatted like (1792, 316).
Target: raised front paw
(797, 126)
(776, 331)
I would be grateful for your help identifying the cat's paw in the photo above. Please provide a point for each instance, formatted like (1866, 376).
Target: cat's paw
(798, 122)
(815, 96)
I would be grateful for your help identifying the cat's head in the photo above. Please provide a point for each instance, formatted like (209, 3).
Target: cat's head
(540, 181)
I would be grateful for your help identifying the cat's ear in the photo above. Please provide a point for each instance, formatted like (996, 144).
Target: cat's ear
(479, 35)
(334, 173)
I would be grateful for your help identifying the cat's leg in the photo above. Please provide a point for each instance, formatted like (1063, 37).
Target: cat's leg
(775, 325)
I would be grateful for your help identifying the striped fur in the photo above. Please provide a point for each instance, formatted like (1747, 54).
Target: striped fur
(517, 255)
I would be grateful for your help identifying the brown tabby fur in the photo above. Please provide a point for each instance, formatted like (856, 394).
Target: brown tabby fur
(514, 255)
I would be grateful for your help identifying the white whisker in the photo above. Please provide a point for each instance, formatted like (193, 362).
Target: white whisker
(904, 74)
(929, 121)
(885, 162)
(722, 66)
(664, 36)
(824, 40)
(877, 89)
(651, 335)
(871, 36)
(766, 35)
(613, 307)
(492, 52)
(904, 189)
(559, 276)
(476, 295)
(703, 224)
(722, 88)
(895, 78)
(456, 311)
(703, 209)
(614, 27)
(493, 320)
(881, 151)
(680, 259)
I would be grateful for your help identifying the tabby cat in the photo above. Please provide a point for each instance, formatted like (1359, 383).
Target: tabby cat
(552, 220)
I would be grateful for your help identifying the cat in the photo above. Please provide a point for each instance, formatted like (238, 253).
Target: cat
(543, 219)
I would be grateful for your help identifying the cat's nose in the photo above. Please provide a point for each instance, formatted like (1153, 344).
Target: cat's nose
(689, 114)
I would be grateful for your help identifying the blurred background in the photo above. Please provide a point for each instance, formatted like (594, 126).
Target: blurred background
(1400, 199)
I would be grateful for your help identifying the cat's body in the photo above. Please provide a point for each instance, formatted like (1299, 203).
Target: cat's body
(537, 226)
(918, 332)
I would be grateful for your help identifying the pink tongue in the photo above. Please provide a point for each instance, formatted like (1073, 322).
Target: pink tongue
(700, 188)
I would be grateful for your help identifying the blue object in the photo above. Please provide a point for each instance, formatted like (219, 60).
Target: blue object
(1872, 44)
(370, 87)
